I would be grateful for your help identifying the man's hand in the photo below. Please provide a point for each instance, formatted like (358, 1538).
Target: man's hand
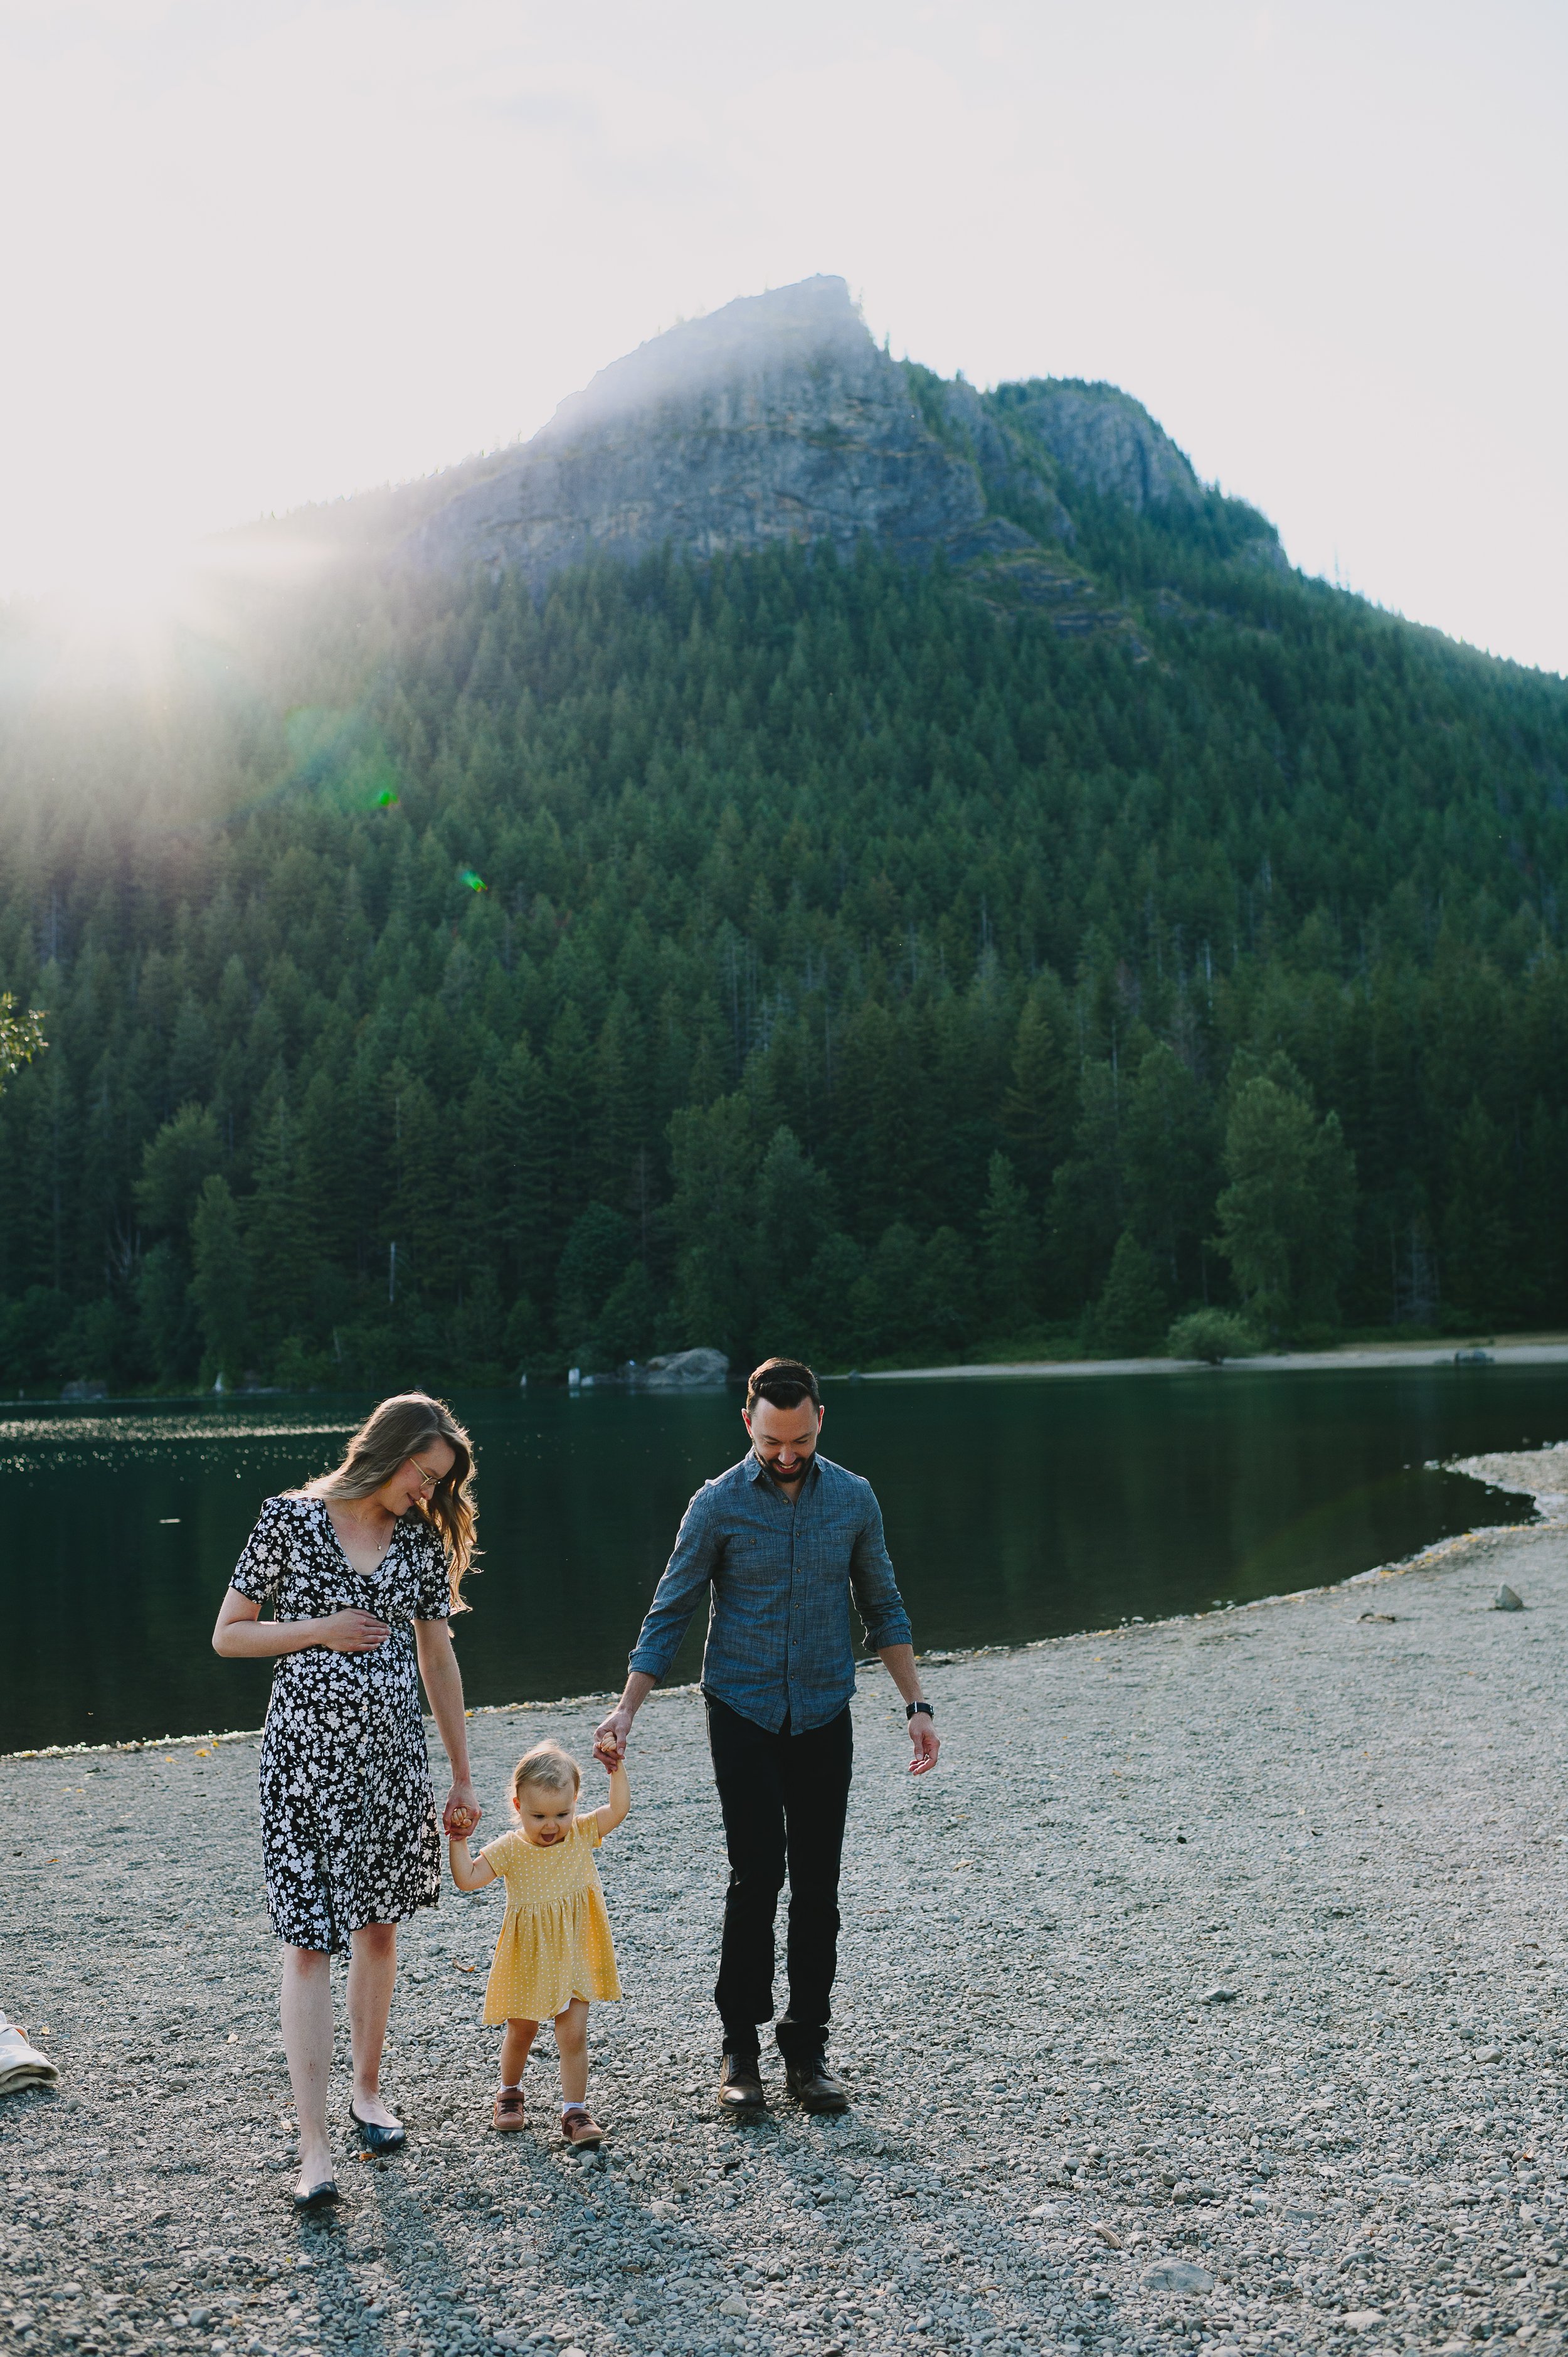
(462, 1812)
(610, 1737)
(898, 1661)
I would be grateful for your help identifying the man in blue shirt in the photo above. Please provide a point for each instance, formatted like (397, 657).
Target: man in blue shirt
(782, 1542)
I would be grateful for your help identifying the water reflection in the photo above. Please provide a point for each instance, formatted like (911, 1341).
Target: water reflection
(1014, 1509)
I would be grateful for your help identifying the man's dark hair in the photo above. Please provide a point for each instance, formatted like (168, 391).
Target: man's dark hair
(782, 1383)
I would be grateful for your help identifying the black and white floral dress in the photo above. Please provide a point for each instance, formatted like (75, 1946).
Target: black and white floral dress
(349, 1830)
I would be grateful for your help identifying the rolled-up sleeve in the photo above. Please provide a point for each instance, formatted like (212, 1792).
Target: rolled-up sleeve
(876, 1595)
(688, 1572)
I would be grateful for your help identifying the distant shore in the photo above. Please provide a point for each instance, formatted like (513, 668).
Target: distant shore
(1516, 1351)
(1534, 1352)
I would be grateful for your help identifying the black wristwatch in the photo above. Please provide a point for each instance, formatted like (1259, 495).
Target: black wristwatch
(911, 1707)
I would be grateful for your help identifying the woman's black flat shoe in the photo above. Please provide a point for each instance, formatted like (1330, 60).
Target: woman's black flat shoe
(376, 2139)
(318, 2197)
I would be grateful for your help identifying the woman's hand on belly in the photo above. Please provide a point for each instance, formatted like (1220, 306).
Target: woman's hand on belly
(351, 1632)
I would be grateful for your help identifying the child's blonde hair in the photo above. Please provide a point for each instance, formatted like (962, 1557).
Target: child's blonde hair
(549, 1766)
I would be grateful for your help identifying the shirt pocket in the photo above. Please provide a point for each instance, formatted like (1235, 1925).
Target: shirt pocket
(748, 1560)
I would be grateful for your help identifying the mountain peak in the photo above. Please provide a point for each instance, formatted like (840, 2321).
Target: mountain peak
(778, 419)
(756, 336)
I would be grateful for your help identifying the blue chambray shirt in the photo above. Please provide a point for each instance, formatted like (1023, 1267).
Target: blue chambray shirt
(780, 1577)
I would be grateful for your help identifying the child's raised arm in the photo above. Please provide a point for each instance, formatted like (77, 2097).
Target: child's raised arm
(469, 1873)
(619, 1800)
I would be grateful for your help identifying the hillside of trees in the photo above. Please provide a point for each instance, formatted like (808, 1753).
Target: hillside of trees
(440, 983)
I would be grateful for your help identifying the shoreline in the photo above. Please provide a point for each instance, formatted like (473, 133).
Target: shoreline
(1521, 1351)
(1349, 1355)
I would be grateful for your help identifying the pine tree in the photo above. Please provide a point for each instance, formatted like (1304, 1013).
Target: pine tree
(1039, 1106)
(620, 1100)
(1477, 1258)
(171, 1337)
(1008, 1250)
(1086, 1211)
(279, 1223)
(791, 1217)
(1169, 1164)
(1285, 1218)
(597, 1255)
(220, 1281)
(417, 1218)
(175, 1166)
(527, 1171)
(1132, 1312)
(713, 1161)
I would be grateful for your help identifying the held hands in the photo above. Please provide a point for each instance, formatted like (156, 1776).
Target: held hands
(927, 1743)
(462, 1812)
(351, 1632)
(609, 1739)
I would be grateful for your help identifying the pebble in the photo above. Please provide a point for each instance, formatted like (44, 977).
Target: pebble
(1177, 2274)
(1354, 1830)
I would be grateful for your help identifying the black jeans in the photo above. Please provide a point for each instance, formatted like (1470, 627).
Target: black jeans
(784, 1799)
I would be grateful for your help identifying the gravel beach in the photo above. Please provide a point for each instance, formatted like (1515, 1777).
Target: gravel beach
(1210, 1995)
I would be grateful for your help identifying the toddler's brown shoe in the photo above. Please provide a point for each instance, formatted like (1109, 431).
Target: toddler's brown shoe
(579, 2127)
(509, 2113)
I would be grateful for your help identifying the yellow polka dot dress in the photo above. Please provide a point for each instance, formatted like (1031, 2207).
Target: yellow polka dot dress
(555, 1943)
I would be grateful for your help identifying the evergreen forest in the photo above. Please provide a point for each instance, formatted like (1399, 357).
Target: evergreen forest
(441, 982)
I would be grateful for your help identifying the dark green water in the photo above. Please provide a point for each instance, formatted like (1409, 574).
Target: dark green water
(1014, 1509)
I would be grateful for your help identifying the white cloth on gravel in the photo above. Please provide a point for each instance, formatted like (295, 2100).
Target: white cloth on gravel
(22, 2065)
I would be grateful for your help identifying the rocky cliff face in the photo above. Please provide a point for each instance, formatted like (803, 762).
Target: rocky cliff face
(1100, 438)
(778, 419)
(774, 419)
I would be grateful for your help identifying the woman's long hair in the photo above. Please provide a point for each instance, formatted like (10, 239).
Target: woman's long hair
(391, 1434)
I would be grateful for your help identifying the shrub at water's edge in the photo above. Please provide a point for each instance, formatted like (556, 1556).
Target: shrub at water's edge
(1211, 1335)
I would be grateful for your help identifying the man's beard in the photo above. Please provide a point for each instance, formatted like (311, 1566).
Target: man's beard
(802, 1465)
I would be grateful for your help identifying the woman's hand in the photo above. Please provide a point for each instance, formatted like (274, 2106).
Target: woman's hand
(462, 1812)
(241, 1635)
(351, 1632)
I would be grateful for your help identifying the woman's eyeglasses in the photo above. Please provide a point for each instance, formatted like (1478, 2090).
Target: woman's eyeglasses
(429, 1482)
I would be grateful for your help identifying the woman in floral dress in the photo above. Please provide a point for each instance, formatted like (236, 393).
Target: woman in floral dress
(363, 1568)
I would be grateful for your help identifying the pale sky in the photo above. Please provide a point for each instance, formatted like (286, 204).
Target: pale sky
(256, 254)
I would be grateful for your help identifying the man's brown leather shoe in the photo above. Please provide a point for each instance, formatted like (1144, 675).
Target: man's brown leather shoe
(740, 2083)
(814, 2086)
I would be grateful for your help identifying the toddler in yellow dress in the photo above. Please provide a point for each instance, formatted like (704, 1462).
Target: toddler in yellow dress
(555, 1953)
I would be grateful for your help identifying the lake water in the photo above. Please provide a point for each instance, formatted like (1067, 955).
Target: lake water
(1014, 1509)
